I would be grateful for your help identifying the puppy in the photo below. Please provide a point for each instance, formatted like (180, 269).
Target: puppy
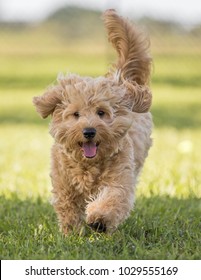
(101, 127)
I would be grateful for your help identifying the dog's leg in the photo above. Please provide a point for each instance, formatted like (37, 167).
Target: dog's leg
(69, 213)
(111, 207)
(69, 205)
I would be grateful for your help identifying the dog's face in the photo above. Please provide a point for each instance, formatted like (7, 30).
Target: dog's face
(89, 116)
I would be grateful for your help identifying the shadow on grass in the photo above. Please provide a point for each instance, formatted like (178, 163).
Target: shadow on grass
(187, 116)
(176, 81)
(179, 117)
(41, 82)
(158, 228)
(22, 116)
(23, 83)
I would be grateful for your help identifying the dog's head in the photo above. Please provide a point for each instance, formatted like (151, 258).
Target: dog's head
(89, 116)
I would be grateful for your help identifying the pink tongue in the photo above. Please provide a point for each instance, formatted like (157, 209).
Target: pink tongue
(89, 149)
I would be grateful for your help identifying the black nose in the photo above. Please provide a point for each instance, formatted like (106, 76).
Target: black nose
(89, 132)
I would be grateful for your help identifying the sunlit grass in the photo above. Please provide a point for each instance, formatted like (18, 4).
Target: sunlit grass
(24, 161)
(174, 164)
(172, 168)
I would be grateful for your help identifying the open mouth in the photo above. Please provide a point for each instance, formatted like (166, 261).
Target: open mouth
(89, 148)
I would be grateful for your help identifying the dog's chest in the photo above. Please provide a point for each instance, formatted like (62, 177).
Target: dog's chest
(84, 180)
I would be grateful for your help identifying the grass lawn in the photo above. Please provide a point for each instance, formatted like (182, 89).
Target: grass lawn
(166, 220)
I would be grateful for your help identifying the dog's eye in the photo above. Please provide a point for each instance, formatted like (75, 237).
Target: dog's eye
(76, 114)
(100, 113)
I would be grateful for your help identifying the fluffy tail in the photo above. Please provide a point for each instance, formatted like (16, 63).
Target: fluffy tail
(134, 61)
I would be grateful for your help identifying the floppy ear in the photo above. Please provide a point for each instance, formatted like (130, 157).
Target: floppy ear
(46, 103)
(140, 97)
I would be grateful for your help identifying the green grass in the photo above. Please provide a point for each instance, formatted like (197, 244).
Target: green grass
(165, 223)
(159, 228)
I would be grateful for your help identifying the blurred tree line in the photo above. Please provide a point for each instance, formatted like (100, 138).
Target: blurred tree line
(75, 22)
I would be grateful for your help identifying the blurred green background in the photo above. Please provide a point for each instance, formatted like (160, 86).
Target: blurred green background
(168, 206)
(74, 40)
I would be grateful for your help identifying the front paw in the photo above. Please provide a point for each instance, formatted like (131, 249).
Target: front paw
(98, 226)
(96, 218)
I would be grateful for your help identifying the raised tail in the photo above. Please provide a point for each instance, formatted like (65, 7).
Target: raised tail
(134, 60)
